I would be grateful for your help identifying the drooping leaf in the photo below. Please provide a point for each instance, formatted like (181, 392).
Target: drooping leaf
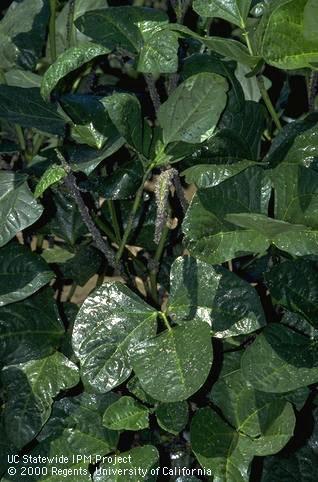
(213, 295)
(109, 322)
(18, 208)
(22, 273)
(22, 34)
(136, 463)
(174, 364)
(234, 11)
(293, 284)
(172, 417)
(27, 108)
(30, 329)
(30, 388)
(208, 235)
(52, 175)
(67, 62)
(280, 360)
(186, 115)
(126, 414)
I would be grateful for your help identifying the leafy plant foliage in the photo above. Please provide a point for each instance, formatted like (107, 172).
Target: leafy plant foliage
(159, 240)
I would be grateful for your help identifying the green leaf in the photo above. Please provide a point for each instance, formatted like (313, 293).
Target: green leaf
(122, 184)
(137, 31)
(186, 115)
(174, 364)
(234, 11)
(229, 48)
(62, 37)
(310, 26)
(287, 22)
(136, 464)
(18, 208)
(30, 389)
(74, 434)
(52, 175)
(300, 466)
(109, 322)
(159, 53)
(27, 108)
(22, 34)
(79, 420)
(214, 295)
(22, 273)
(219, 448)
(85, 263)
(29, 329)
(172, 417)
(210, 175)
(294, 285)
(22, 78)
(280, 360)
(136, 389)
(208, 235)
(124, 111)
(91, 122)
(70, 60)
(57, 254)
(126, 414)
(267, 419)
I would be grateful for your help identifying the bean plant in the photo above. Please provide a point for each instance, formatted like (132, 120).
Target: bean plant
(159, 240)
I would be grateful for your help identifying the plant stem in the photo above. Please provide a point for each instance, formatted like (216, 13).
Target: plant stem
(312, 87)
(132, 215)
(52, 30)
(165, 320)
(154, 271)
(151, 84)
(268, 102)
(261, 85)
(70, 33)
(113, 215)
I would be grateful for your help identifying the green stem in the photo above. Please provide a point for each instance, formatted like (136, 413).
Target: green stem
(153, 273)
(72, 291)
(37, 143)
(113, 215)
(52, 30)
(268, 102)
(70, 31)
(165, 320)
(132, 215)
(261, 85)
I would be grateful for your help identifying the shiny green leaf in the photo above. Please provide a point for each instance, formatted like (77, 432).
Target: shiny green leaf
(126, 414)
(134, 465)
(22, 273)
(30, 389)
(67, 62)
(186, 115)
(208, 235)
(18, 208)
(210, 175)
(300, 466)
(287, 22)
(234, 11)
(213, 295)
(109, 322)
(280, 360)
(172, 417)
(52, 175)
(174, 364)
